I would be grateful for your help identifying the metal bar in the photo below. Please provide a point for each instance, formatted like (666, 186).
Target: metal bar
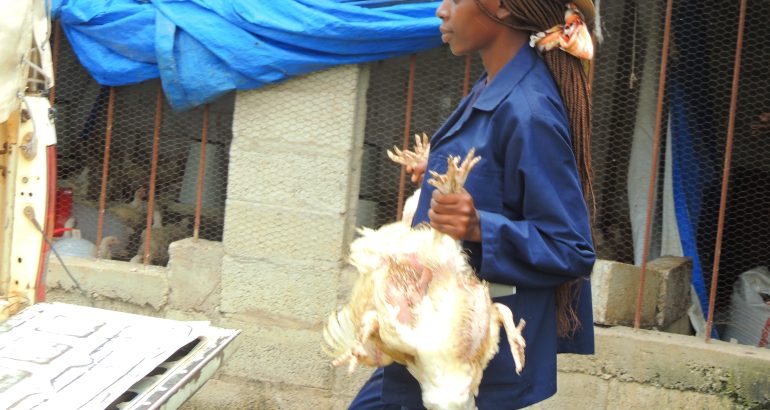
(52, 100)
(153, 171)
(55, 59)
(407, 128)
(467, 75)
(654, 160)
(201, 169)
(105, 169)
(726, 170)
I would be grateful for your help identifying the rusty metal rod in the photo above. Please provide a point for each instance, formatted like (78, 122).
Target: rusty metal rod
(467, 75)
(52, 100)
(654, 160)
(153, 170)
(726, 170)
(407, 128)
(105, 168)
(55, 59)
(201, 169)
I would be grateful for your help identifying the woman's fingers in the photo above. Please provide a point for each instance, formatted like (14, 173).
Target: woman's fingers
(454, 215)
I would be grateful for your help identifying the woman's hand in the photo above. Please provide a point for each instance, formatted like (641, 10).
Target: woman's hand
(417, 171)
(455, 215)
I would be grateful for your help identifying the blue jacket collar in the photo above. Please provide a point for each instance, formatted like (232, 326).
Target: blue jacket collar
(508, 77)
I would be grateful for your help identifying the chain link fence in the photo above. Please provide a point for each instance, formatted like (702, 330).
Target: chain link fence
(437, 88)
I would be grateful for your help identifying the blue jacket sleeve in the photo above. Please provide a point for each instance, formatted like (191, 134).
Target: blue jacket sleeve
(542, 237)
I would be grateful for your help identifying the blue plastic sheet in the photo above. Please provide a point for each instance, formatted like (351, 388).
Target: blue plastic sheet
(203, 48)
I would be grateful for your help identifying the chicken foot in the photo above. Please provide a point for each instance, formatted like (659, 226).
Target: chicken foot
(412, 158)
(453, 181)
(505, 317)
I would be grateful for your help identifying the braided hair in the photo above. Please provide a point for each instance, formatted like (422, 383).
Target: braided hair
(570, 77)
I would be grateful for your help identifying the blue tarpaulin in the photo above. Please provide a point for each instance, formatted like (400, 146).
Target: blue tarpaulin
(202, 49)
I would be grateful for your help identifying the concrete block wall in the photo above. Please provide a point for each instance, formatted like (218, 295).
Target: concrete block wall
(290, 214)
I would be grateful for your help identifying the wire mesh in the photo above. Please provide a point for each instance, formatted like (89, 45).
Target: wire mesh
(438, 88)
(693, 148)
(125, 165)
(625, 82)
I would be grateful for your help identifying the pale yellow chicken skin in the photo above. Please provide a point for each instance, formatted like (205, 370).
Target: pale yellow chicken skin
(418, 302)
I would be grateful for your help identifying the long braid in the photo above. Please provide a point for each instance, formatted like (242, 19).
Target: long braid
(570, 77)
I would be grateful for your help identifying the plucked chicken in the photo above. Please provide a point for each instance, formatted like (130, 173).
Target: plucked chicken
(418, 302)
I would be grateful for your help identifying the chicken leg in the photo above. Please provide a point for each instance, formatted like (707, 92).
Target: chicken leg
(412, 158)
(504, 316)
(453, 181)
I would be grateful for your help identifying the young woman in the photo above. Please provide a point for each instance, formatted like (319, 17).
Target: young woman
(523, 217)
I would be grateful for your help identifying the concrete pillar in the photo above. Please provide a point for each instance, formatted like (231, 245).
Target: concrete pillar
(292, 189)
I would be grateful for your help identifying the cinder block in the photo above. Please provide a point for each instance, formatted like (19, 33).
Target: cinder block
(310, 181)
(614, 289)
(277, 353)
(194, 272)
(295, 292)
(313, 112)
(674, 277)
(284, 232)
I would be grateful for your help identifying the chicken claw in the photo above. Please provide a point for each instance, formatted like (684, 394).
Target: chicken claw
(454, 179)
(412, 158)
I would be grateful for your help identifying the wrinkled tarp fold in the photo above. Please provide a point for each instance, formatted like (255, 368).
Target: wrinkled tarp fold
(203, 48)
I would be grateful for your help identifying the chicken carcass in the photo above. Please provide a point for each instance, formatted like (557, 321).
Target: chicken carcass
(418, 302)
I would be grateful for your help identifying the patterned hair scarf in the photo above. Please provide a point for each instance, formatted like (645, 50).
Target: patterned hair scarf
(572, 37)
